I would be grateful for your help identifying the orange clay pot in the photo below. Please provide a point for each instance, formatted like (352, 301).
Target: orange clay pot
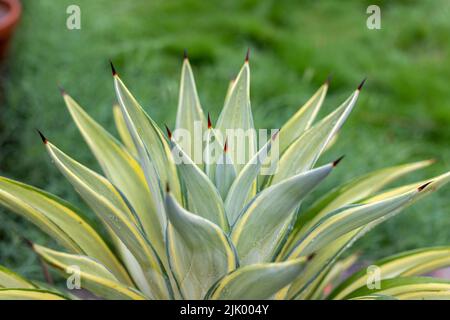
(10, 11)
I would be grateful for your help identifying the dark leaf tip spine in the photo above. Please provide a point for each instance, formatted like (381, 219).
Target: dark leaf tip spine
(185, 54)
(61, 89)
(362, 84)
(169, 133)
(247, 55)
(423, 186)
(336, 162)
(311, 256)
(167, 187)
(209, 121)
(43, 138)
(113, 70)
(28, 242)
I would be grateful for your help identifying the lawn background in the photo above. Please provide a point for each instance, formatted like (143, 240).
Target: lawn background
(403, 114)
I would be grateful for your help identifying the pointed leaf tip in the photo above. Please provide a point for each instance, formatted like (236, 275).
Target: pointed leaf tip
(247, 55)
(361, 84)
(329, 78)
(61, 89)
(275, 135)
(169, 133)
(185, 54)
(225, 146)
(113, 70)
(336, 162)
(28, 242)
(311, 256)
(423, 186)
(209, 122)
(44, 139)
(167, 187)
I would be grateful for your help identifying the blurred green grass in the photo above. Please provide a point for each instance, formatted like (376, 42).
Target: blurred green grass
(403, 114)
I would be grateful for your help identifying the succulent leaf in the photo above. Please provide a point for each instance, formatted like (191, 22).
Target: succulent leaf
(262, 225)
(237, 114)
(204, 198)
(200, 252)
(29, 294)
(93, 275)
(123, 132)
(111, 208)
(302, 119)
(189, 108)
(410, 263)
(10, 279)
(123, 171)
(61, 221)
(256, 281)
(303, 153)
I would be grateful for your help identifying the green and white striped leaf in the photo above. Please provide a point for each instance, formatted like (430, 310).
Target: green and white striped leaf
(147, 137)
(237, 115)
(424, 295)
(302, 119)
(124, 172)
(225, 174)
(10, 279)
(29, 294)
(61, 221)
(331, 252)
(204, 199)
(242, 186)
(93, 275)
(189, 108)
(348, 193)
(112, 209)
(122, 130)
(332, 277)
(263, 224)
(200, 252)
(303, 153)
(346, 219)
(257, 281)
(375, 297)
(419, 261)
(407, 288)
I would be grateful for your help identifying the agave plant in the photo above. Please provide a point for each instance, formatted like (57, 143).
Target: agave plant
(219, 230)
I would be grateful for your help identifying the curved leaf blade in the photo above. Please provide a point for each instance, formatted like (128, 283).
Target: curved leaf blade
(262, 225)
(200, 252)
(399, 287)
(124, 172)
(256, 282)
(11, 280)
(123, 132)
(189, 110)
(61, 221)
(111, 208)
(29, 294)
(303, 153)
(302, 119)
(348, 193)
(237, 115)
(204, 199)
(94, 276)
(421, 261)
(243, 185)
(147, 137)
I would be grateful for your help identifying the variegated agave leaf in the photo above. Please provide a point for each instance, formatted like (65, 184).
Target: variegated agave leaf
(219, 228)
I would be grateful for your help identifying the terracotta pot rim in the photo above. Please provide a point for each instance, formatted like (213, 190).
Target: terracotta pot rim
(13, 14)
